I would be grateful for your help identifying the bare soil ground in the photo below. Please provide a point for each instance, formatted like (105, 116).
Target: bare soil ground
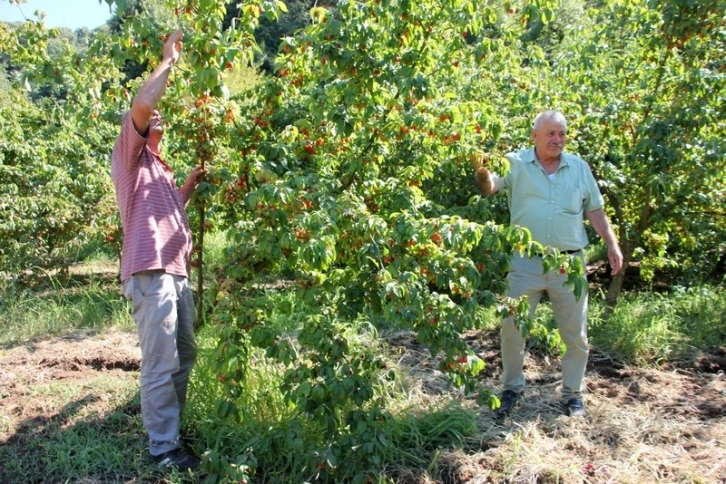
(644, 425)
(77, 358)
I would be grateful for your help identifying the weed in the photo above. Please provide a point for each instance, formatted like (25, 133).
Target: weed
(650, 328)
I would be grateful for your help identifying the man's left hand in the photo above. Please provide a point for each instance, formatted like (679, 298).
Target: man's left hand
(615, 257)
(193, 180)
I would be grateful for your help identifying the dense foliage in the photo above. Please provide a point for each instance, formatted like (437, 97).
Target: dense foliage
(57, 195)
(657, 150)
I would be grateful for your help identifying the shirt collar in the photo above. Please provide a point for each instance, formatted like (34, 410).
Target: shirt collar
(529, 156)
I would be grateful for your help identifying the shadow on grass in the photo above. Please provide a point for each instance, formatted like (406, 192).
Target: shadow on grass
(75, 444)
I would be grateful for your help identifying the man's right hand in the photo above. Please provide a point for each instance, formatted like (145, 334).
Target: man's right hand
(148, 97)
(483, 177)
(173, 47)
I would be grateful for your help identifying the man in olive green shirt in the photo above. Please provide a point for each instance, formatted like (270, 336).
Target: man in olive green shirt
(550, 193)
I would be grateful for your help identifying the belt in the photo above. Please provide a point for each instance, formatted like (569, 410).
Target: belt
(565, 252)
(574, 251)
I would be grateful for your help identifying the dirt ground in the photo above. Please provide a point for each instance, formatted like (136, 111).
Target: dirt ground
(75, 358)
(643, 425)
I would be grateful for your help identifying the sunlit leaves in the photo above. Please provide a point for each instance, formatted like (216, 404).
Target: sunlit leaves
(649, 97)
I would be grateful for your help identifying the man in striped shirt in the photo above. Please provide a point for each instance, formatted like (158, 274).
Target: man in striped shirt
(155, 263)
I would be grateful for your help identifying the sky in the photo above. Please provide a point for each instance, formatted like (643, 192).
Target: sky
(73, 14)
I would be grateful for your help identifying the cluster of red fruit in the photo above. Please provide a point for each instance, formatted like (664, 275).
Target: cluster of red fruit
(302, 235)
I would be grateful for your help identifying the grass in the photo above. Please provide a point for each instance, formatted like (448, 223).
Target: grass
(91, 431)
(646, 328)
(215, 244)
(651, 328)
(60, 307)
(241, 79)
(97, 251)
(419, 434)
(75, 439)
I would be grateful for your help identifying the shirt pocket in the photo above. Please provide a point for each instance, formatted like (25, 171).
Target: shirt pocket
(570, 198)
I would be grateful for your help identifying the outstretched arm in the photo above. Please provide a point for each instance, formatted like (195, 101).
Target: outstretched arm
(600, 223)
(153, 89)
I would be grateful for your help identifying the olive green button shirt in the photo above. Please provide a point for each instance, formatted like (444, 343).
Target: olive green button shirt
(553, 206)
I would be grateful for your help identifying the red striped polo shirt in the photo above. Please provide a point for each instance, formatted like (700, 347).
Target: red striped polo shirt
(155, 225)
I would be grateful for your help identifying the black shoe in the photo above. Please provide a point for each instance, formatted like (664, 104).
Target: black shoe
(178, 459)
(508, 401)
(575, 407)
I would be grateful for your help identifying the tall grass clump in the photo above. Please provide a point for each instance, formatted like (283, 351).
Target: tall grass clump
(215, 244)
(650, 328)
(59, 307)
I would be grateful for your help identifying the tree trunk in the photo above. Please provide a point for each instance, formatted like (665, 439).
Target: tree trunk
(199, 322)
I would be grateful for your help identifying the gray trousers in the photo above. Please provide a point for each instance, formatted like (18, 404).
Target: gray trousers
(163, 308)
(526, 279)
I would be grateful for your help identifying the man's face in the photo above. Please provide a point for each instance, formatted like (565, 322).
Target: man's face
(549, 139)
(156, 124)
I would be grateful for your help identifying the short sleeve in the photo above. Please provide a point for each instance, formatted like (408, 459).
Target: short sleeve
(129, 143)
(593, 197)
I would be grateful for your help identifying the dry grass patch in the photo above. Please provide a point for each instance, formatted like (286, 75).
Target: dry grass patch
(643, 425)
(44, 379)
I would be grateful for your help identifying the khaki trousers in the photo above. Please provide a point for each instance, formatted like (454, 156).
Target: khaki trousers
(163, 308)
(526, 279)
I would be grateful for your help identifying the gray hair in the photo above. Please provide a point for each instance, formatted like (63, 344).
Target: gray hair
(555, 116)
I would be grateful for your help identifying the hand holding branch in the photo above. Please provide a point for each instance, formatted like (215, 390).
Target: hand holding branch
(193, 180)
(483, 176)
(173, 47)
(153, 89)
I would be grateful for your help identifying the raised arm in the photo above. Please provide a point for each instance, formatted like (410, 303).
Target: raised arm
(600, 223)
(153, 89)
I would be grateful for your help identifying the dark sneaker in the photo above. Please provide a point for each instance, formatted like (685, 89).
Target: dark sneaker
(575, 407)
(509, 400)
(178, 459)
